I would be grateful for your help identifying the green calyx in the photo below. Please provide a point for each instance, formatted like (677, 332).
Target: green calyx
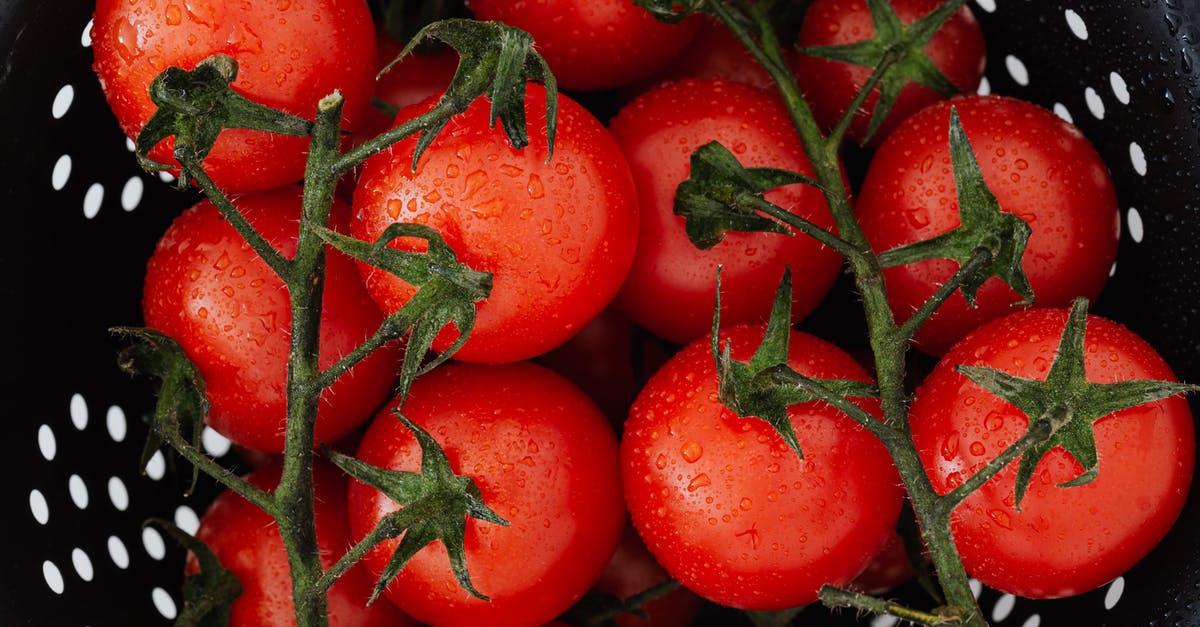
(209, 594)
(434, 505)
(1066, 405)
(670, 11)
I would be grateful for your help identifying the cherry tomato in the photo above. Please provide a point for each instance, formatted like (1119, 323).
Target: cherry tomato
(1039, 167)
(593, 44)
(558, 236)
(246, 541)
(207, 289)
(672, 284)
(544, 459)
(1064, 540)
(290, 55)
(830, 86)
(728, 509)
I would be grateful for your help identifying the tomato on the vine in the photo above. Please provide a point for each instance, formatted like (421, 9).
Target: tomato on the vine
(1039, 167)
(729, 509)
(290, 55)
(206, 288)
(1062, 540)
(544, 459)
(672, 284)
(634, 570)
(558, 235)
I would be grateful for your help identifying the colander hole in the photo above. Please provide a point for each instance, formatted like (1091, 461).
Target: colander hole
(46, 442)
(186, 519)
(1112, 271)
(156, 468)
(1138, 158)
(1076, 24)
(61, 173)
(1062, 112)
(53, 577)
(62, 101)
(985, 87)
(118, 494)
(152, 541)
(38, 507)
(118, 553)
(987, 5)
(884, 621)
(1004, 606)
(82, 564)
(1032, 621)
(116, 423)
(92, 200)
(129, 145)
(976, 587)
(86, 39)
(131, 194)
(1112, 596)
(78, 490)
(1017, 70)
(79, 412)
(163, 603)
(1119, 88)
(1094, 102)
(1136, 230)
(214, 443)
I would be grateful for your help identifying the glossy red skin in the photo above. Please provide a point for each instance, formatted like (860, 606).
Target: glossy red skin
(830, 86)
(1038, 166)
(633, 570)
(558, 237)
(728, 509)
(592, 44)
(246, 541)
(290, 55)
(545, 460)
(1064, 541)
(231, 314)
(672, 284)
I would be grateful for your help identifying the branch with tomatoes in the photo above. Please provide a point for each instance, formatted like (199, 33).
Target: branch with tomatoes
(763, 467)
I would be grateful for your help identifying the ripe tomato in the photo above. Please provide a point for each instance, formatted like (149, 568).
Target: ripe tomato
(1064, 540)
(593, 44)
(829, 86)
(1039, 168)
(672, 284)
(558, 236)
(290, 55)
(728, 509)
(246, 541)
(231, 314)
(544, 459)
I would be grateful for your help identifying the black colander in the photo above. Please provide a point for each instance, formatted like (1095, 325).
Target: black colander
(80, 220)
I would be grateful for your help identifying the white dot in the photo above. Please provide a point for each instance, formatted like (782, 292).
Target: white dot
(1138, 158)
(118, 494)
(166, 177)
(153, 542)
(1032, 621)
(156, 468)
(131, 194)
(78, 490)
(1112, 270)
(62, 101)
(1094, 103)
(987, 5)
(976, 587)
(118, 553)
(216, 444)
(92, 200)
(985, 87)
(79, 411)
(1075, 23)
(163, 603)
(1017, 70)
(116, 423)
(61, 172)
(884, 621)
(129, 145)
(53, 577)
(83, 564)
(86, 39)
(37, 505)
(1137, 230)
(186, 519)
(1061, 111)
(1004, 606)
(1119, 88)
(47, 443)
(1113, 595)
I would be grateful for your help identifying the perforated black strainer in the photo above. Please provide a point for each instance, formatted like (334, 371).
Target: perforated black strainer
(80, 219)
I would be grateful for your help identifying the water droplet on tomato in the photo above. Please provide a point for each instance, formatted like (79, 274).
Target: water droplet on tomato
(918, 218)
(451, 171)
(950, 446)
(691, 451)
(745, 504)
(474, 182)
(1001, 517)
(994, 421)
(535, 187)
(977, 448)
(174, 15)
(699, 481)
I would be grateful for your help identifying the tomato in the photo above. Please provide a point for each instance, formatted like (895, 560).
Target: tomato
(672, 284)
(231, 315)
(417, 76)
(558, 236)
(1039, 167)
(593, 44)
(290, 55)
(830, 86)
(633, 570)
(1064, 540)
(246, 541)
(544, 459)
(728, 509)
(888, 570)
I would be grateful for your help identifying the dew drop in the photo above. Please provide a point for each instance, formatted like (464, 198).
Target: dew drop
(699, 481)
(691, 452)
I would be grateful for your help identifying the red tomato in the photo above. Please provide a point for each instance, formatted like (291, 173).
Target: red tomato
(672, 284)
(231, 314)
(543, 458)
(829, 86)
(592, 44)
(634, 570)
(1063, 541)
(728, 509)
(888, 570)
(290, 55)
(1038, 166)
(246, 541)
(558, 236)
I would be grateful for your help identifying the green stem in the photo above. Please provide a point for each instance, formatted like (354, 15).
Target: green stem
(274, 260)
(358, 154)
(979, 259)
(225, 476)
(1037, 433)
(801, 225)
(837, 597)
(838, 134)
(789, 377)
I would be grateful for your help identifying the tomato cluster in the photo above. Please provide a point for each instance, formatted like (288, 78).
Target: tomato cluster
(594, 276)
